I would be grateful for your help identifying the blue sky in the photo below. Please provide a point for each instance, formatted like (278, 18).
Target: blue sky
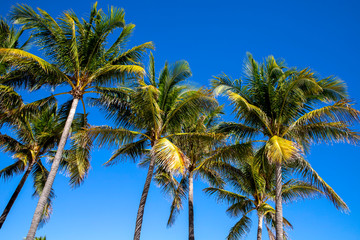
(213, 36)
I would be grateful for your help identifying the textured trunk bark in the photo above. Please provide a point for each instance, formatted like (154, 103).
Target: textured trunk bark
(191, 207)
(15, 195)
(260, 224)
(54, 168)
(140, 213)
(278, 203)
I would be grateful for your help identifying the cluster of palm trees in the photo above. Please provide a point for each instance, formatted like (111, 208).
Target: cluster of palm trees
(160, 120)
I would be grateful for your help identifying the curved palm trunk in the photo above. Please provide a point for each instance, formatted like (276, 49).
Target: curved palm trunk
(278, 203)
(54, 168)
(260, 224)
(191, 207)
(15, 195)
(140, 214)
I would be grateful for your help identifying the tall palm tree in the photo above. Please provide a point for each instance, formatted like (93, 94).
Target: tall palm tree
(36, 135)
(80, 58)
(148, 115)
(198, 144)
(288, 109)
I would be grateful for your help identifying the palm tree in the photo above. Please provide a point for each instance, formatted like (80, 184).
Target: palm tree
(288, 110)
(198, 144)
(252, 187)
(37, 134)
(79, 58)
(148, 115)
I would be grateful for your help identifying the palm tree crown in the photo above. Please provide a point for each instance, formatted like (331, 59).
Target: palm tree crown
(79, 52)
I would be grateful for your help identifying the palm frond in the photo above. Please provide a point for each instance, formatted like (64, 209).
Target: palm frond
(132, 150)
(279, 149)
(240, 208)
(296, 189)
(302, 167)
(104, 135)
(224, 195)
(240, 229)
(9, 171)
(169, 156)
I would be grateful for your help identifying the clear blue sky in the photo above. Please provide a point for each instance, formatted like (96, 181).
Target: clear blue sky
(213, 36)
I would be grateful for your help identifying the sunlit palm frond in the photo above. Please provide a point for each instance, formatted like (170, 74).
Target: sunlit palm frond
(18, 58)
(169, 156)
(114, 74)
(279, 149)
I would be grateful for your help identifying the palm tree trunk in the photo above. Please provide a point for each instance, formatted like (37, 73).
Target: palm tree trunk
(191, 207)
(278, 203)
(15, 195)
(140, 214)
(260, 224)
(51, 177)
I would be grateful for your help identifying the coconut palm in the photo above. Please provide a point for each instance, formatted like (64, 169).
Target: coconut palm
(198, 144)
(288, 109)
(36, 135)
(148, 115)
(80, 57)
(252, 189)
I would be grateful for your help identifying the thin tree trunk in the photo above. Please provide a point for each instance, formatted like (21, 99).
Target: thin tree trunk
(15, 195)
(51, 177)
(191, 207)
(278, 203)
(260, 225)
(140, 214)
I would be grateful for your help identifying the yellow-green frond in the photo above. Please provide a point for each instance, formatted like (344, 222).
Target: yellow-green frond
(279, 149)
(170, 156)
